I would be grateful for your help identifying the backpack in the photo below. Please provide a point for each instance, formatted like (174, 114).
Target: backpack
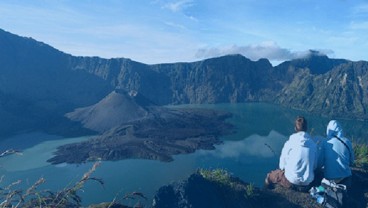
(329, 194)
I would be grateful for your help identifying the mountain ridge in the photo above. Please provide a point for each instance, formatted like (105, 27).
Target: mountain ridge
(55, 83)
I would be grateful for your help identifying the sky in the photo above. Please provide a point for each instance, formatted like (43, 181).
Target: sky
(168, 31)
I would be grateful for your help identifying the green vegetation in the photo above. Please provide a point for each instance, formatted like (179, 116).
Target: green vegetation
(217, 175)
(361, 155)
(225, 178)
(250, 191)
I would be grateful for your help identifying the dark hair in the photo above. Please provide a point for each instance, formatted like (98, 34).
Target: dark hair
(300, 124)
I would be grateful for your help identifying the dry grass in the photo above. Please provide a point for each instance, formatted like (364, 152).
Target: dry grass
(10, 196)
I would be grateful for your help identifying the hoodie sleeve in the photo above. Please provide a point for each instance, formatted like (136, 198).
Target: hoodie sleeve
(284, 152)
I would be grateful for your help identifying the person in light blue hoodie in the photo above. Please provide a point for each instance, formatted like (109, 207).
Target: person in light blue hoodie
(298, 160)
(338, 155)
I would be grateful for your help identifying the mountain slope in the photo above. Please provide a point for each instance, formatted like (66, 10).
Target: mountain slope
(340, 92)
(316, 62)
(232, 78)
(115, 109)
(39, 87)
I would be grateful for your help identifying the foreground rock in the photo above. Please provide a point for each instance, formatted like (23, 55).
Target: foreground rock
(218, 189)
(165, 132)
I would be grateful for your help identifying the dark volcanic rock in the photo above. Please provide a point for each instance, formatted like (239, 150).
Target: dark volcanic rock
(134, 127)
(165, 132)
(200, 192)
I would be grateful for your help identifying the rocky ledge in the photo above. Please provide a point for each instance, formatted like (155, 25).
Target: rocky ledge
(219, 189)
(166, 132)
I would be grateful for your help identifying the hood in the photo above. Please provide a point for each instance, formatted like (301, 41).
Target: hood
(334, 129)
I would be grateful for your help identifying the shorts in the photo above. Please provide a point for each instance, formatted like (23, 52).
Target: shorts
(278, 177)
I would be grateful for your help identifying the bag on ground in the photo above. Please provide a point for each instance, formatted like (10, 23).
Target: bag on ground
(329, 194)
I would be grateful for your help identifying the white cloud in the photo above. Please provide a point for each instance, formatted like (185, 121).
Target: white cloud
(138, 42)
(178, 5)
(360, 9)
(255, 145)
(184, 30)
(359, 25)
(175, 25)
(269, 50)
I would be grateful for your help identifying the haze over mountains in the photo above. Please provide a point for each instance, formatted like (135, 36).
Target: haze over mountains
(44, 89)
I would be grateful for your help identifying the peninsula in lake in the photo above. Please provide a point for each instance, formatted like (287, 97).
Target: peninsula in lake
(133, 127)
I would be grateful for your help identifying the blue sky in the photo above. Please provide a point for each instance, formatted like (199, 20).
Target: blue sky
(163, 31)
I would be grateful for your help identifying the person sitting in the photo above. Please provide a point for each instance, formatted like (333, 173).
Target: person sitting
(338, 155)
(298, 160)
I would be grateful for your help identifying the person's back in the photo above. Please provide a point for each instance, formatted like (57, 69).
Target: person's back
(297, 161)
(338, 153)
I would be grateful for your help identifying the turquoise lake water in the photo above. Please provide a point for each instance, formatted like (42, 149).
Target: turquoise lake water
(251, 152)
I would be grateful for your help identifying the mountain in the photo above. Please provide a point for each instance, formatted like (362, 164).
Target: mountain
(340, 92)
(117, 108)
(232, 78)
(42, 87)
(33, 71)
(38, 86)
(316, 62)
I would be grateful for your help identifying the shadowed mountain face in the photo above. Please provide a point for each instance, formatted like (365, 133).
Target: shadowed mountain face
(40, 74)
(39, 85)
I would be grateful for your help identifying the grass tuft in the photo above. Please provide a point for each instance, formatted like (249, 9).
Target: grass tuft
(217, 175)
(361, 155)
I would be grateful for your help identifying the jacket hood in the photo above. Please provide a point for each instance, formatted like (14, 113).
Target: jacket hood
(334, 129)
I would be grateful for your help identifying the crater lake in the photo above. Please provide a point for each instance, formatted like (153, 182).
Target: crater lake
(249, 153)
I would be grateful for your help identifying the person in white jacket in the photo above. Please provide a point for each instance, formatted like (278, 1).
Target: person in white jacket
(298, 160)
(338, 155)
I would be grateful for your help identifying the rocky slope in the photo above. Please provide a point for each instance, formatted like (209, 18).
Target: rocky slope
(341, 92)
